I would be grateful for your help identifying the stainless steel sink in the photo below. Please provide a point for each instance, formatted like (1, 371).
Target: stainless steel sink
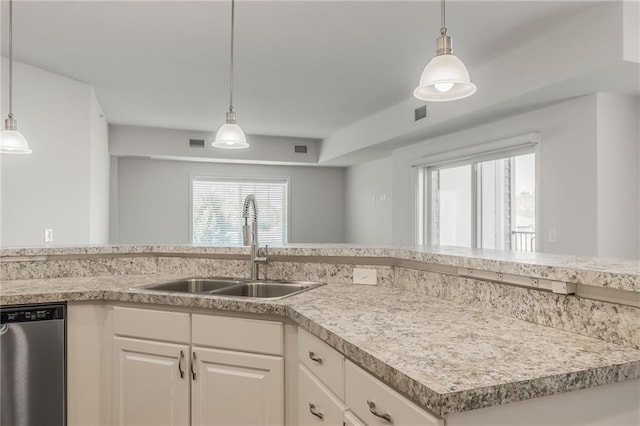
(266, 289)
(221, 286)
(193, 285)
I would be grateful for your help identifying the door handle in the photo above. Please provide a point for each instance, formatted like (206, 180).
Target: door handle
(372, 408)
(315, 358)
(312, 409)
(193, 363)
(180, 365)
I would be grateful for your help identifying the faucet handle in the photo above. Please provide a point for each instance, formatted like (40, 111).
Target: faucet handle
(265, 252)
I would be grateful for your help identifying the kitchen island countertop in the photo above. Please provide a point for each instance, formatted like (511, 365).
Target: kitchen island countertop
(446, 356)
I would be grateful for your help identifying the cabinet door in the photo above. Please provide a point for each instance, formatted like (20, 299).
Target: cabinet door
(150, 383)
(236, 388)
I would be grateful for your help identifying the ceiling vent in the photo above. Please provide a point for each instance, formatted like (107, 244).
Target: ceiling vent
(196, 143)
(420, 113)
(302, 149)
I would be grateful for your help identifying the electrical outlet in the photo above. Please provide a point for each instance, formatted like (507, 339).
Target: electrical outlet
(48, 235)
(553, 235)
(365, 276)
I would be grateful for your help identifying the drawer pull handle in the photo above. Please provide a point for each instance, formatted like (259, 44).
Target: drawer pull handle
(312, 409)
(372, 408)
(193, 363)
(315, 358)
(180, 365)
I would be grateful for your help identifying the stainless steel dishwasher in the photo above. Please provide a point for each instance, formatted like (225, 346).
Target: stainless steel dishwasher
(32, 365)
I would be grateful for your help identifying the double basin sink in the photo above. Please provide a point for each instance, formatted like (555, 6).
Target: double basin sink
(221, 286)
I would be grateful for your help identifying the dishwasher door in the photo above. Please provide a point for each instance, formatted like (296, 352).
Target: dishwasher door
(32, 366)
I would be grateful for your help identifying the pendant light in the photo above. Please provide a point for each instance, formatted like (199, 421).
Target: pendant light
(445, 78)
(230, 135)
(11, 140)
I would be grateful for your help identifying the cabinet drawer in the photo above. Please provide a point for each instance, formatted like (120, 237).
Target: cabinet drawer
(324, 361)
(362, 387)
(238, 334)
(315, 397)
(151, 324)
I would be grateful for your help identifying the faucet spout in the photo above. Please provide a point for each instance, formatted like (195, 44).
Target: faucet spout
(250, 234)
(250, 201)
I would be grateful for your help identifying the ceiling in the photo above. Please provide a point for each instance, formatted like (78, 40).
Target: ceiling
(303, 68)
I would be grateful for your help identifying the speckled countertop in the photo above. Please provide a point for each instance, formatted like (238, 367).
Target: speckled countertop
(447, 357)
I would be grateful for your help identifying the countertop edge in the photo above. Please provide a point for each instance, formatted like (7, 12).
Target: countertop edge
(619, 274)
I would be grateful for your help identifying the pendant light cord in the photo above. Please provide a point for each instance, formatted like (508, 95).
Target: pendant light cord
(443, 26)
(231, 61)
(10, 58)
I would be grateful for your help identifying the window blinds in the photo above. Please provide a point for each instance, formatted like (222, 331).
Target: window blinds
(217, 210)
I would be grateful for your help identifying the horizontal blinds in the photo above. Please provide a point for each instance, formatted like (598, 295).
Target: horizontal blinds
(217, 211)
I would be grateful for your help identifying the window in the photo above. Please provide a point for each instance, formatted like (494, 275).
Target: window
(487, 201)
(216, 212)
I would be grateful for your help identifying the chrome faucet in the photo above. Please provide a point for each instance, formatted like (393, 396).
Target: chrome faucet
(250, 235)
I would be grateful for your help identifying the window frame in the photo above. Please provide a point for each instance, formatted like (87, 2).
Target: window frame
(254, 179)
(424, 187)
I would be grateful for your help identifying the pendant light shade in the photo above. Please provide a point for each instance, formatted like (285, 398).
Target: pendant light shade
(11, 140)
(230, 135)
(445, 78)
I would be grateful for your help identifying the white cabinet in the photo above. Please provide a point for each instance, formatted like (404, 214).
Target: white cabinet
(322, 360)
(232, 373)
(377, 404)
(235, 388)
(150, 385)
(346, 394)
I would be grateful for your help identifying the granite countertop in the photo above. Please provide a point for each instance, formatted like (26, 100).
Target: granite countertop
(447, 357)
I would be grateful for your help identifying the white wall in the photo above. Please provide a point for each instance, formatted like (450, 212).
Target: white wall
(52, 187)
(631, 30)
(566, 165)
(617, 174)
(99, 175)
(368, 202)
(153, 199)
(113, 200)
(174, 144)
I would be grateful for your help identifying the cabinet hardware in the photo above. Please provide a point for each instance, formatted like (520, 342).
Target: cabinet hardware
(312, 409)
(315, 358)
(180, 365)
(372, 408)
(193, 363)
